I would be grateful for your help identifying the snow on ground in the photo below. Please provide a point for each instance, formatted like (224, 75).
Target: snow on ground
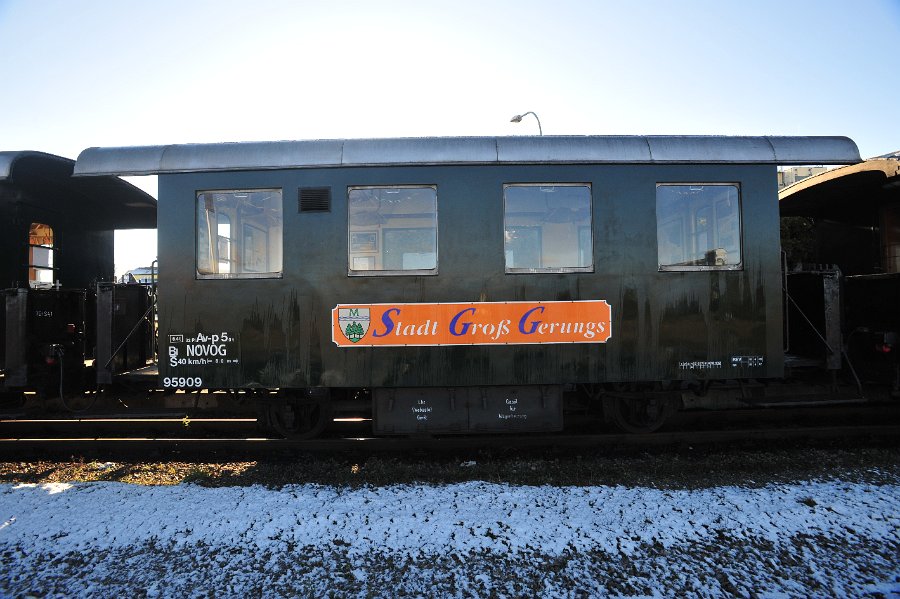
(818, 538)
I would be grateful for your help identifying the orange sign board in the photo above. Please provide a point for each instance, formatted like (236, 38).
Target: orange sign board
(476, 323)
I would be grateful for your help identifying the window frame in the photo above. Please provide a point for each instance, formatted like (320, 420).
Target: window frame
(351, 272)
(33, 267)
(740, 228)
(234, 240)
(551, 269)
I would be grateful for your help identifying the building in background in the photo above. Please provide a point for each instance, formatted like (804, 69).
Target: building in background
(143, 274)
(791, 175)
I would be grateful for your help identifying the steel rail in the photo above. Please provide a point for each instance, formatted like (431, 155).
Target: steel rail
(241, 447)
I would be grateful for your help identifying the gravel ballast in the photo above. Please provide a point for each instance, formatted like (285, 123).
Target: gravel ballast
(788, 522)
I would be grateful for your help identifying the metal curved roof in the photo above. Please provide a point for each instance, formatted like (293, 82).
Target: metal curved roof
(8, 161)
(148, 160)
(110, 202)
(842, 193)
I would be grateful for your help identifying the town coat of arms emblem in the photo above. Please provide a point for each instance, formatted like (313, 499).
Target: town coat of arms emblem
(354, 323)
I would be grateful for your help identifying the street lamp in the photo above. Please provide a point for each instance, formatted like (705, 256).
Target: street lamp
(518, 119)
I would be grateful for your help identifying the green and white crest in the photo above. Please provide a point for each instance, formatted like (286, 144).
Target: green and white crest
(354, 323)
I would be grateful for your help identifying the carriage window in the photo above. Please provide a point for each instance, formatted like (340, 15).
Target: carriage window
(40, 255)
(698, 227)
(392, 230)
(239, 234)
(547, 227)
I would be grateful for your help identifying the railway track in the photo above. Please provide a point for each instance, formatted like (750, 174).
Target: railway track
(162, 436)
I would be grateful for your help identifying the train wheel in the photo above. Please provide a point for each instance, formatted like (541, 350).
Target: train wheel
(79, 402)
(299, 418)
(12, 400)
(640, 415)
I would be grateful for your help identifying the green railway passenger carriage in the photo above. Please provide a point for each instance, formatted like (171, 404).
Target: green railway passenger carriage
(470, 284)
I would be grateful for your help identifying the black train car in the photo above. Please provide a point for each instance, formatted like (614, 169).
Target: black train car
(465, 281)
(845, 226)
(56, 235)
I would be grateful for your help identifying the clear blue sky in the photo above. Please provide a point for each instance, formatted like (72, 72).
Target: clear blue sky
(104, 72)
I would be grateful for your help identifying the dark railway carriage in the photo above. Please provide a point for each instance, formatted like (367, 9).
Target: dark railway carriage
(846, 254)
(56, 235)
(469, 282)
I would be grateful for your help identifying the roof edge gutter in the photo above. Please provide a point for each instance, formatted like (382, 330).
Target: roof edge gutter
(433, 151)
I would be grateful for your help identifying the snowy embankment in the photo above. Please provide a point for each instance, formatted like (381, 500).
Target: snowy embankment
(820, 538)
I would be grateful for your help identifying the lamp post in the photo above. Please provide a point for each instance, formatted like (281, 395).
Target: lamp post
(518, 119)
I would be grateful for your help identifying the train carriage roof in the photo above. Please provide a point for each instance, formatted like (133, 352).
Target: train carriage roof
(189, 158)
(843, 194)
(105, 202)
